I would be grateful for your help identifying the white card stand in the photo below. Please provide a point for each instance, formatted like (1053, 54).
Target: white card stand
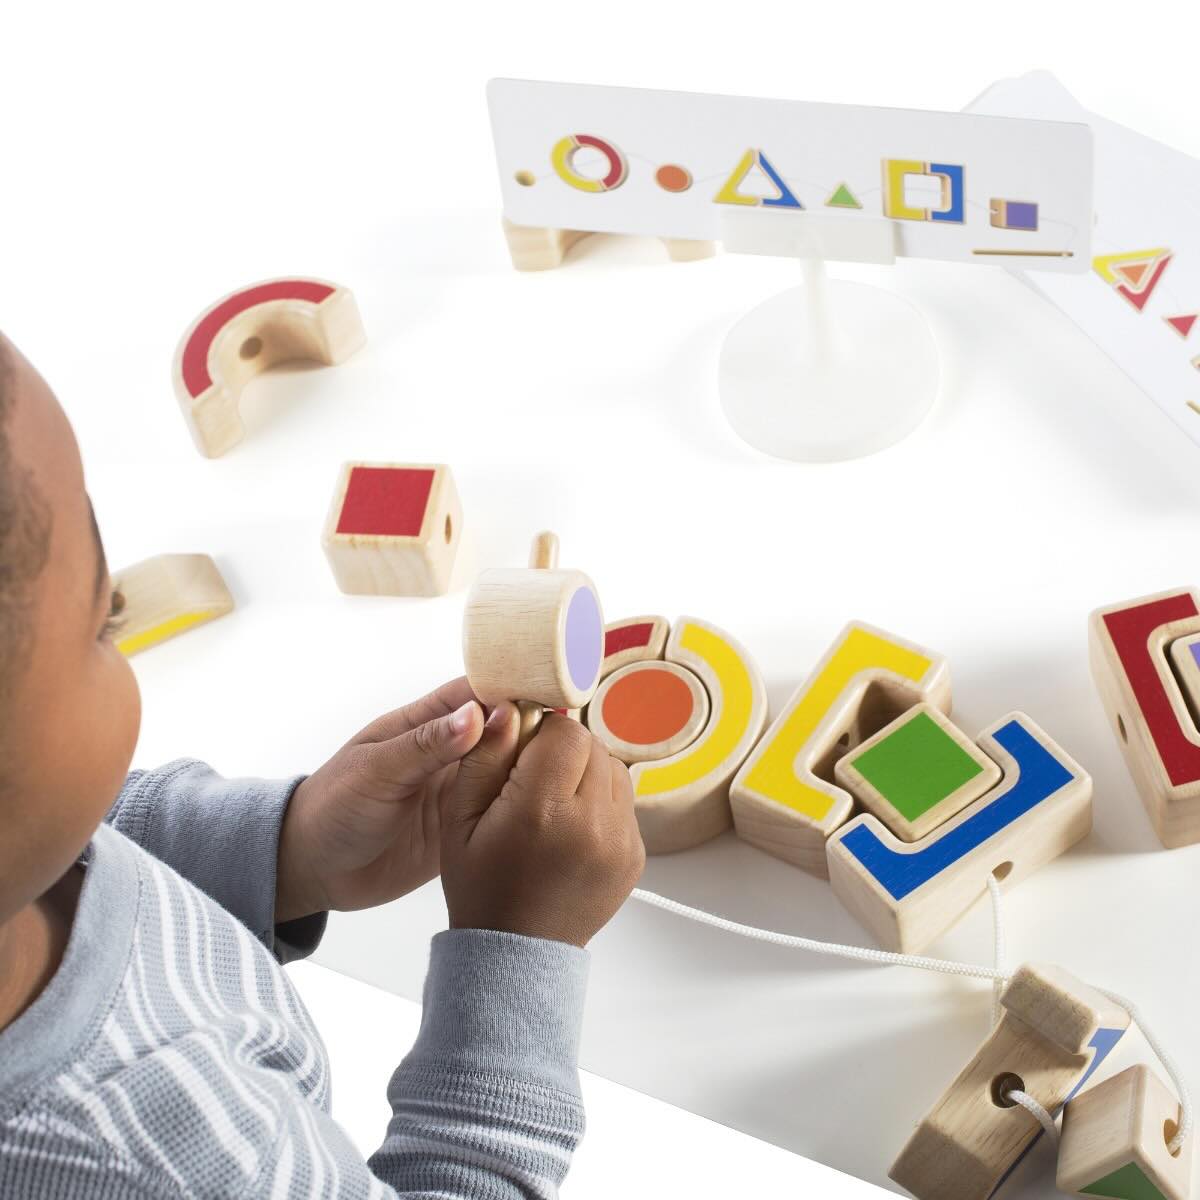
(831, 370)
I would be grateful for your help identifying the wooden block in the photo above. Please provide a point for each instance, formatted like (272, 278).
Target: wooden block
(688, 249)
(533, 248)
(1144, 701)
(784, 799)
(1115, 1137)
(249, 331)
(683, 800)
(917, 773)
(909, 893)
(634, 639)
(1054, 1033)
(393, 529)
(1185, 659)
(648, 711)
(168, 595)
(534, 634)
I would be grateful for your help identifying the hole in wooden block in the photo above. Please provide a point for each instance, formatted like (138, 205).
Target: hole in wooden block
(1121, 728)
(251, 348)
(844, 741)
(1002, 1085)
(1002, 872)
(525, 178)
(1170, 1129)
(448, 529)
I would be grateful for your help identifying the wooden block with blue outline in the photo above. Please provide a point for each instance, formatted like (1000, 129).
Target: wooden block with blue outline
(917, 773)
(909, 893)
(784, 799)
(1054, 1034)
(1115, 1137)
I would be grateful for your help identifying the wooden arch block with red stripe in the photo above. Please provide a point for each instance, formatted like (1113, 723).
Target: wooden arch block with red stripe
(1130, 646)
(246, 333)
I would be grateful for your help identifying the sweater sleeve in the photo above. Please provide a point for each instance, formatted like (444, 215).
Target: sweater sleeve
(487, 1104)
(223, 836)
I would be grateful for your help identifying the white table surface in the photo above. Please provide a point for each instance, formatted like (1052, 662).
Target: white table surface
(154, 159)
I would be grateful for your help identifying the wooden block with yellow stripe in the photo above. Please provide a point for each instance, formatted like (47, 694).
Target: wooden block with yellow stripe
(168, 595)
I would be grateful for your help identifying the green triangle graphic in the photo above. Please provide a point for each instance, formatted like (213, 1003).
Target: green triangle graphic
(843, 197)
(1129, 1183)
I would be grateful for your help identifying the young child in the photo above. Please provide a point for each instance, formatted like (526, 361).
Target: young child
(150, 1043)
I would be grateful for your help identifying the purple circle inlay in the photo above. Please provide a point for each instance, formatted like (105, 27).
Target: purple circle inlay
(585, 638)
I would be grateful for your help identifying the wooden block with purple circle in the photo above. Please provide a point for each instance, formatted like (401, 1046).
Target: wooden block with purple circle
(635, 639)
(393, 529)
(1116, 1140)
(533, 635)
(246, 333)
(917, 773)
(648, 710)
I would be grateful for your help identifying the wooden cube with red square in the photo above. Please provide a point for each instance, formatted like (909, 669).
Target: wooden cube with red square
(393, 529)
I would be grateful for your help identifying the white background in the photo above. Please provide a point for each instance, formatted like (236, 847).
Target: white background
(154, 157)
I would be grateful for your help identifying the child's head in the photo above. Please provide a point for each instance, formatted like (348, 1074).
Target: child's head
(69, 707)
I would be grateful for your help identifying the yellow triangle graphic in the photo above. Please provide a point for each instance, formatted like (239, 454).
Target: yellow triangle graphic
(729, 193)
(1105, 264)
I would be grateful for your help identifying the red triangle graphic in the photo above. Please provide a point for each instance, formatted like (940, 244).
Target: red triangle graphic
(1132, 272)
(1141, 295)
(1183, 324)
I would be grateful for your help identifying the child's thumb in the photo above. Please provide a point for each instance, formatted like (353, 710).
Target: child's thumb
(408, 760)
(483, 772)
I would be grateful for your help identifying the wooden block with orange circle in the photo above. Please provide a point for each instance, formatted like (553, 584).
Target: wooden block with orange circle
(684, 724)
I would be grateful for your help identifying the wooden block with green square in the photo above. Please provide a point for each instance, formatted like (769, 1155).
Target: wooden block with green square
(917, 772)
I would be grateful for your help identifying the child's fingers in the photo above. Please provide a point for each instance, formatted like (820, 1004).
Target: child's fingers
(410, 759)
(483, 772)
(553, 765)
(439, 703)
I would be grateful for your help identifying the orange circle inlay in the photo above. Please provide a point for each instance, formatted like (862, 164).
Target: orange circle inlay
(673, 178)
(647, 707)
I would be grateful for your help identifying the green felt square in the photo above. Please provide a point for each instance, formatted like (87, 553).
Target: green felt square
(1129, 1183)
(917, 766)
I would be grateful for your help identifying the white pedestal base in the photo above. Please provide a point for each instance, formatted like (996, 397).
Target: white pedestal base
(829, 371)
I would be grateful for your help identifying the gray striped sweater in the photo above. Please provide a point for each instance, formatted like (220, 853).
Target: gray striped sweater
(170, 1055)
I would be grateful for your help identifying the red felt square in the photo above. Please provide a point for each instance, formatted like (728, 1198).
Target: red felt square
(386, 501)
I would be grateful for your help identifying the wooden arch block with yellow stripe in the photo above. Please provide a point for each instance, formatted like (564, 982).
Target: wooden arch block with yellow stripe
(784, 799)
(168, 595)
(686, 723)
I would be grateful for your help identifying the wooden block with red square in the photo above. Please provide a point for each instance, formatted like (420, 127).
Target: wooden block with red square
(393, 529)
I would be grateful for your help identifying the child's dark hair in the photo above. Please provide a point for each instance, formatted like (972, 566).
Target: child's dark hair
(24, 538)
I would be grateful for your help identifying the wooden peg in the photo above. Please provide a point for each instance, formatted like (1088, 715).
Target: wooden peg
(683, 799)
(249, 331)
(648, 711)
(534, 248)
(168, 595)
(909, 893)
(1147, 707)
(635, 639)
(784, 799)
(917, 773)
(534, 634)
(393, 529)
(1054, 1033)
(1115, 1139)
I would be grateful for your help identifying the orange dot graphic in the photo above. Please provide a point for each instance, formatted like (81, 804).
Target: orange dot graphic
(646, 707)
(673, 178)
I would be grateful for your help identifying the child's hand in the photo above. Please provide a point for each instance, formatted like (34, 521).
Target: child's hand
(548, 847)
(363, 829)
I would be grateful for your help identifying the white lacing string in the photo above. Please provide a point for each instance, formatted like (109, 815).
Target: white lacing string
(996, 975)
(1035, 1110)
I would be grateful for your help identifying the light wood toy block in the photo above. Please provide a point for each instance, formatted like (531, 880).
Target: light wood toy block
(683, 799)
(534, 634)
(1128, 646)
(168, 595)
(784, 799)
(533, 248)
(917, 773)
(248, 332)
(648, 711)
(393, 529)
(1054, 1033)
(635, 639)
(1115, 1137)
(909, 893)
